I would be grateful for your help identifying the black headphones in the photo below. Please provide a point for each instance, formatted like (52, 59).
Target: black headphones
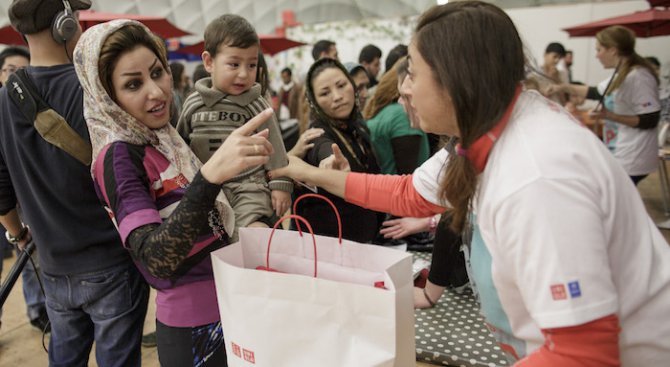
(64, 25)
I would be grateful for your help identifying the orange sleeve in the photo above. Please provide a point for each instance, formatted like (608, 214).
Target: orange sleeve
(388, 194)
(595, 344)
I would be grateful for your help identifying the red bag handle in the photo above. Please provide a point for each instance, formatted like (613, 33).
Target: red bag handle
(297, 218)
(337, 213)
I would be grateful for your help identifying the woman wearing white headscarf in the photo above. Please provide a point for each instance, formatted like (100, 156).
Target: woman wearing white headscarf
(169, 209)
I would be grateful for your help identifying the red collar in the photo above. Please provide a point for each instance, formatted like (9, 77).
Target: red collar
(478, 152)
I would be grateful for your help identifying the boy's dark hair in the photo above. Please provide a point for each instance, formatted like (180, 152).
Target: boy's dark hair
(369, 53)
(13, 51)
(229, 30)
(394, 55)
(321, 46)
(287, 70)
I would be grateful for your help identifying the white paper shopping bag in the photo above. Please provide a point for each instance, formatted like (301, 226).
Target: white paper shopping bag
(291, 318)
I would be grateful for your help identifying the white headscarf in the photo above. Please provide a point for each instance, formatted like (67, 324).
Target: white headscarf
(108, 122)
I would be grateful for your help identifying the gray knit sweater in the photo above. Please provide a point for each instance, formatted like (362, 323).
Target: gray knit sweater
(209, 116)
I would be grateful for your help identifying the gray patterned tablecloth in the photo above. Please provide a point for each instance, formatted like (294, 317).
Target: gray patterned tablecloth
(453, 332)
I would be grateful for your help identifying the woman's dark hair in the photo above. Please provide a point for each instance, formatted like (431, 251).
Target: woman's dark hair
(623, 39)
(480, 90)
(314, 71)
(262, 76)
(124, 40)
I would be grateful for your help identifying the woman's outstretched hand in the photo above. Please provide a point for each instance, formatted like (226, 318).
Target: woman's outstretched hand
(332, 180)
(336, 161)
(241, 150)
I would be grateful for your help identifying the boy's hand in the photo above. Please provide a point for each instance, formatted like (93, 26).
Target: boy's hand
(281, 202)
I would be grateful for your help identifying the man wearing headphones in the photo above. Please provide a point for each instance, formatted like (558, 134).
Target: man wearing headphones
(93, 290)
(11, 59)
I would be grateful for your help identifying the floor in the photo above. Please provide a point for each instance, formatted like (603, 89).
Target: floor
(21, 344)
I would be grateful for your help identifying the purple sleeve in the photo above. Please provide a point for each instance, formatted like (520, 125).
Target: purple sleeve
(122, 178)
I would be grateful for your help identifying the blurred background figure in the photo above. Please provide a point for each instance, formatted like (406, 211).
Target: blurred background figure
(551, 75)
(324, 48)
(181, 84)
(289, 95)
(567, 63)
(199, 73)
(361, 82)
(656, 65)
(400, 148)
(394, 55)
(370, 58)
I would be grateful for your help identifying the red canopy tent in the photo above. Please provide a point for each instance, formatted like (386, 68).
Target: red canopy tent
(654, 3)
(270, 45)
(648, 23)
(88, 18)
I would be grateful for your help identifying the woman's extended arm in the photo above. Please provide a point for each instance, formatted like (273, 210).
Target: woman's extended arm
(574, 89)
(383, 193)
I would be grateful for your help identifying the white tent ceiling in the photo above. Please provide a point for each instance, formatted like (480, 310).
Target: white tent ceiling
(193, 15)
(265, 15)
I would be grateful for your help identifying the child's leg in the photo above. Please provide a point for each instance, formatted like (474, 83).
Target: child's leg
(250, 199)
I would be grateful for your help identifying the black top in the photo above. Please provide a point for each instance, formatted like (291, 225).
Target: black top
(73, 232)
(359, 224)
(447, 267)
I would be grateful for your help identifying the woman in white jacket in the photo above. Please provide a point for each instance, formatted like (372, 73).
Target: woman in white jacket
(569, 268)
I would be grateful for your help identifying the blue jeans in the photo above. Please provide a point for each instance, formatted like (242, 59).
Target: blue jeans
(31, 289)
(107, 307)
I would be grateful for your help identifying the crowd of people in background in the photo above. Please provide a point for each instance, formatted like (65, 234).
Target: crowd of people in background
(433, 148)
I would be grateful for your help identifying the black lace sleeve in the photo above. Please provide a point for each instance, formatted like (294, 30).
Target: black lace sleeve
(162, 248)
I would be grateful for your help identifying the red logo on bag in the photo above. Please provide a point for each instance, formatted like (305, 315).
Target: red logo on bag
(249, 356)
(236, 350)
(558, 292)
